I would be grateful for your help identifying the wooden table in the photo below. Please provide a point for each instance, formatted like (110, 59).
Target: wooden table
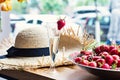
(63, 73)
(66, 73)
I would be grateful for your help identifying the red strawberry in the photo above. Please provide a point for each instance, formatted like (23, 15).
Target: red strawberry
(92, 64)
(60, 23)
(115, 57)
(114, 51)
(100, 62)
(105, 66)
(119, 52)
(103, 54)
(111, 47)
(86, 52)
(118, 63)
(109, 59)
(95, 58)
(84, 62)
(97, 50)
(104, 48)
(78, 59)
(89, 57)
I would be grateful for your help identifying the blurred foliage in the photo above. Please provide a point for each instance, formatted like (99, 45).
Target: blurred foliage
(18, 7)
(51, 6)
(92, 2)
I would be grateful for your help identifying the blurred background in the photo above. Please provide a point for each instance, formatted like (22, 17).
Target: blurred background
(82, 12)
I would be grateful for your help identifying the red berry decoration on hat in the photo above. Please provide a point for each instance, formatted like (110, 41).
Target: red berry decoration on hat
(60, 23)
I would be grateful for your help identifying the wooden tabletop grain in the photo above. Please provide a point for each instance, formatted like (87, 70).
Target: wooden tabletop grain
(65, 73)
(62, 73)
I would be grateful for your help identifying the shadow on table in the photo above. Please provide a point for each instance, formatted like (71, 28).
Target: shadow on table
(21, 75)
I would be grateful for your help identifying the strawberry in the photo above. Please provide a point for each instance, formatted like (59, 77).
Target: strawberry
(82, 52)
(118, 63)
(92, 64)
(84, 62)
(114, 51)
(111, 47)
(97, 50)
(78, 59)
(86, 52)
(89, 57)
(115, 57)
(104, 48)
(109, 59)
(95, 58)
(103, 54)
(100, 62)
(105, 66)
(60, 24)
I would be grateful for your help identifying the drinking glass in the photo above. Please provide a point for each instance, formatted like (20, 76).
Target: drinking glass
(54, 36)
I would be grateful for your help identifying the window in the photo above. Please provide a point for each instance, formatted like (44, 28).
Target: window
(39, 22)
(30, 21)
(105, 20)
(87, 11)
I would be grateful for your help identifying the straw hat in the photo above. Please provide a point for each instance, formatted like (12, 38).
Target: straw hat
(31, 50)
(26, 54)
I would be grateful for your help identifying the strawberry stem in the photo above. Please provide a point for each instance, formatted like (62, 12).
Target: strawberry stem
(114, 66)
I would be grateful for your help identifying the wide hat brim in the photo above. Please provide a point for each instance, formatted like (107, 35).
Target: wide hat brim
(35, 62)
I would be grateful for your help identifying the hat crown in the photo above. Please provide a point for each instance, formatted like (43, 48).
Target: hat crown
(33, 37)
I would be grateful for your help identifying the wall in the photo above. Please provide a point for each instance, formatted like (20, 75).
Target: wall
(5, 25)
